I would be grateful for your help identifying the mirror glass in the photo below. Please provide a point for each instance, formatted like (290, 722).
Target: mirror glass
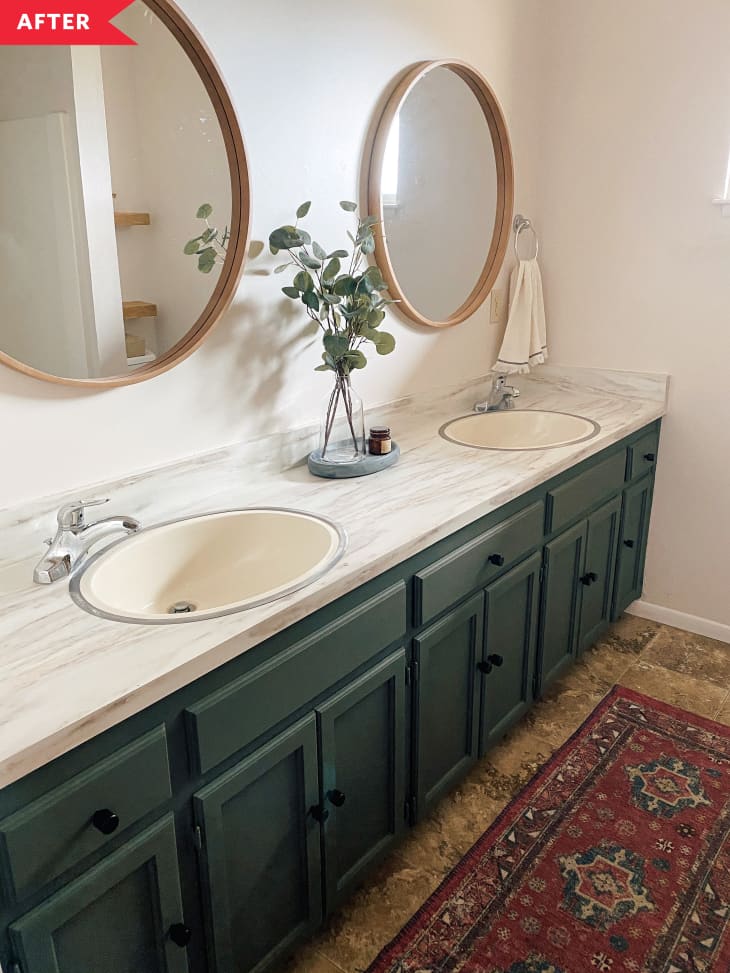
(440, 193)
(107, 155)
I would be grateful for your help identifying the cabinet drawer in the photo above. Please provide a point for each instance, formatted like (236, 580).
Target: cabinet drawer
(475, 564)
(233, 717)
(643, 454)
(52, 834)
(567, 502)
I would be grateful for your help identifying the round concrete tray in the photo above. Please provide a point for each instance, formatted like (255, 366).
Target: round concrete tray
(344, 471)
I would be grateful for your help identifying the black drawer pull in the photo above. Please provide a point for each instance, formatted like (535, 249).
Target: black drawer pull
(628, 543)
(496, 660)
(485, 668)
(336, 797)
(649, 457)
(319, 814)
(180, 934)
(497, 559)
(105, 821)
(589, 579)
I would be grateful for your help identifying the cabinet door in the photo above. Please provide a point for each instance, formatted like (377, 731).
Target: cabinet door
(599, 574)
(447, 713)
(363, 737)
(260, 861)
(508, 665)
(123, 916)
(561, 593)
(632, 546)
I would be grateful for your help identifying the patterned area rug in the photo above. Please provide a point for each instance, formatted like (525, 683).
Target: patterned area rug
(616, 857)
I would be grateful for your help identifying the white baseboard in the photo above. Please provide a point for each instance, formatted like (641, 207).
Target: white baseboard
(690, 623)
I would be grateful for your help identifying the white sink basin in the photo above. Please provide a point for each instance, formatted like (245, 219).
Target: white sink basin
(207, 566)
(519, 429)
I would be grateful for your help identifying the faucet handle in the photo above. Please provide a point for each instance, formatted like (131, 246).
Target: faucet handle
(72, 514)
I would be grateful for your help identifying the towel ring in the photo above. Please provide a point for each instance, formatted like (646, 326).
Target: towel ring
(520, 224)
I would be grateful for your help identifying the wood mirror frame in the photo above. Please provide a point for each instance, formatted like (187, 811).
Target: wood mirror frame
(232, 269)
(505, 187)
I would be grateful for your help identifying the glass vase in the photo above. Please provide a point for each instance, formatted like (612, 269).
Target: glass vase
(342, 428)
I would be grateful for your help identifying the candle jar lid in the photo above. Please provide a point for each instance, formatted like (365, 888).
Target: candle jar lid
(380, 431)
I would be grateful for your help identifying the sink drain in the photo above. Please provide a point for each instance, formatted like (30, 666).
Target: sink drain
(182, 608)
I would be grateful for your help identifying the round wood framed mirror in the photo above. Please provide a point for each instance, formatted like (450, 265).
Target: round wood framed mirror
(124, 202)
(440, 178)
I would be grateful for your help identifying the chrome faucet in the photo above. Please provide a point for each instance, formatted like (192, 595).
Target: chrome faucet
(74, 537)
(501, 396)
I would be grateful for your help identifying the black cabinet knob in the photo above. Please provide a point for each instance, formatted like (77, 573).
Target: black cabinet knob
(589, 579)
(485, 667)
(496, 660)
(497, 559)
(105, 821)
(649, 457)
(336, 797)
(180, 934)
(319, 814)
(628, 543)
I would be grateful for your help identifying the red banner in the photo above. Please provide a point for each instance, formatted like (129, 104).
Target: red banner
(61, 22)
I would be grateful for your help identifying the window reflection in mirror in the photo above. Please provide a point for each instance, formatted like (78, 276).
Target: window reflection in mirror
(106, 155)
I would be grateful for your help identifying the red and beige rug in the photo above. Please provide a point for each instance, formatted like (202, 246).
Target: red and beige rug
(614, 859)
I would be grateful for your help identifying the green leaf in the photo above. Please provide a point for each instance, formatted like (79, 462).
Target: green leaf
(331, 298)
(281, 268)
(324, 368)
(305, 237)
(303, 210)
(309, 261)
(332, 269)
(356, 359)
(310, 299)
(324, 312)
(370, 221)
(291, 292)
(209, 235)
(337, 346)
(375, 277)
(345, 286)
(285, 238)
(191, 247)
(340, 254)
(255, 248)
(303, 281)
(206, 260)
(368, 244)
(319, 252)
(348, 206)
(204, 212)
(385, 343)
(375, 318)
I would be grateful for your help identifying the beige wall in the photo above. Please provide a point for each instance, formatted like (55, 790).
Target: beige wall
(633, 146)
(304, 116)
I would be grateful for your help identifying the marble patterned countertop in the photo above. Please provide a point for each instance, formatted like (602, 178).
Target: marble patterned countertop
(66, 676)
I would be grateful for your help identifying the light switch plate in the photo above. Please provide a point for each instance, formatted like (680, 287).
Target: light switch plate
(498, 314)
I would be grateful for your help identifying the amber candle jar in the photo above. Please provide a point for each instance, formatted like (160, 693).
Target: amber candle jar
(380, 443)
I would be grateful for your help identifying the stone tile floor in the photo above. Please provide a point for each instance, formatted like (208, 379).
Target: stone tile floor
(677, 667)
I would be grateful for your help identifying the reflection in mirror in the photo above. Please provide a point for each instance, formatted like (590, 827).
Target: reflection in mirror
(441, 177)
(106, 155)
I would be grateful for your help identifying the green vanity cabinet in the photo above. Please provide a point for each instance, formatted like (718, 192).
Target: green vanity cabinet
(561, 602)
(598, 573)
(362, 740)
(259, 839)
(510, 643)
(633, 539)
(122, 916)
(248, 804)
(447, 687)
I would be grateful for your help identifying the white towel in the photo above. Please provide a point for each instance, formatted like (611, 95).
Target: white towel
(525, 339)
